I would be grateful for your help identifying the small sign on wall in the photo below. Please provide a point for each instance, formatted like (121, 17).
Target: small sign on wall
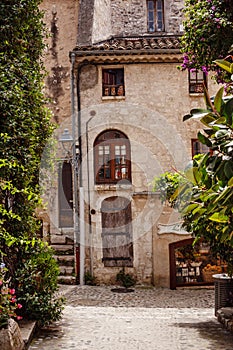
(175, 228)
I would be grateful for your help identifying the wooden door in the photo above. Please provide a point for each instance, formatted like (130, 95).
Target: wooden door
(117, 232)
(65, 195)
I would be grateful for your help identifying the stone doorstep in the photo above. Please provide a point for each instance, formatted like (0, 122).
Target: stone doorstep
(27, 330)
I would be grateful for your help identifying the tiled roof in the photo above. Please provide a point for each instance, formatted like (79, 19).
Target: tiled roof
(134, 44)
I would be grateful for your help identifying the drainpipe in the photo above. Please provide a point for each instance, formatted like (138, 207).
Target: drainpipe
(89, 198)
(81, 189)
(74, 162)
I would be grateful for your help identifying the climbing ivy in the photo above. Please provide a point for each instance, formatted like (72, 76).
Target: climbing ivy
(25, 129)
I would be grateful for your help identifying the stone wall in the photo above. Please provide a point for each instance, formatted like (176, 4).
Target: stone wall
(174, 17)
(61, 19)
(101, 19)
(101, 24)
(130, 17)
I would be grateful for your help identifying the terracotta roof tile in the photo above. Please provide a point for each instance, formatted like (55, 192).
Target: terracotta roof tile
(132, 43)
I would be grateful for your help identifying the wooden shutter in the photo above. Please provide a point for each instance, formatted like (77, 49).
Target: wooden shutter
(117, 232)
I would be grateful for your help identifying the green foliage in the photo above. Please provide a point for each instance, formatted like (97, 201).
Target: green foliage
(212, 194)
(208, 34)
(125, 279)
(8, 302)
(168, 185)
(25, 129)
(90, 280)
(36, 280)
(206, 207)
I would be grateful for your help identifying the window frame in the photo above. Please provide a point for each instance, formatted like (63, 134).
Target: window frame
(115, 167)
(113, 82)
(199, 148)
(196, 84)
(158, 8)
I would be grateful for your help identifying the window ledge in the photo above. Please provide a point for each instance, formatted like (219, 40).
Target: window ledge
(193, 94)
(112, 187)
(104, 98)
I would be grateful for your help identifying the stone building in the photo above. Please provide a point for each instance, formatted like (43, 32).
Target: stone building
(113, 74)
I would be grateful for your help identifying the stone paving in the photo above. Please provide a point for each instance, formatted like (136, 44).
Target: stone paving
(95, 318)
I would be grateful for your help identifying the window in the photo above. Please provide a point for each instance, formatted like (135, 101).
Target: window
(197, 81)
(65, 195)
(198, 147)
(117, 232)
(113, 82)
(112, 157)
(155, 16)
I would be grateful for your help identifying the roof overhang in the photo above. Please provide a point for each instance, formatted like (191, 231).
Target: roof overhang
(130, 50)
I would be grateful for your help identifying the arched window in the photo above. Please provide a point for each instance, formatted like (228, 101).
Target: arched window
(112, 157)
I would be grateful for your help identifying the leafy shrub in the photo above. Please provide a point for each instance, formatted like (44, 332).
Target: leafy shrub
(90, 280)
(125, 279)
(169, 184)
(37, 285)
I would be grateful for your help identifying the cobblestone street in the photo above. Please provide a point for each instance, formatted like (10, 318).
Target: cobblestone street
(96, 318)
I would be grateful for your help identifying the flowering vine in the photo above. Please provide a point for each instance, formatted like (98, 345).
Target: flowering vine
(8, 302)
(208, 34)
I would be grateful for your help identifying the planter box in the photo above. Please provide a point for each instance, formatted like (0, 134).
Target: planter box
(10, 338)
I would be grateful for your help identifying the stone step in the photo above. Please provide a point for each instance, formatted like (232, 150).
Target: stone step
(63, 249)
(66, 260)
(66, 270)
(66, 280)
(60, 239)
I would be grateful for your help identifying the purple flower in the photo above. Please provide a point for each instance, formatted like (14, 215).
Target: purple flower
(204, 69)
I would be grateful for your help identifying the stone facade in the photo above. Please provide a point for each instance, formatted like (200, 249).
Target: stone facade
(102, 19)
(61, 20)
(113, 34)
